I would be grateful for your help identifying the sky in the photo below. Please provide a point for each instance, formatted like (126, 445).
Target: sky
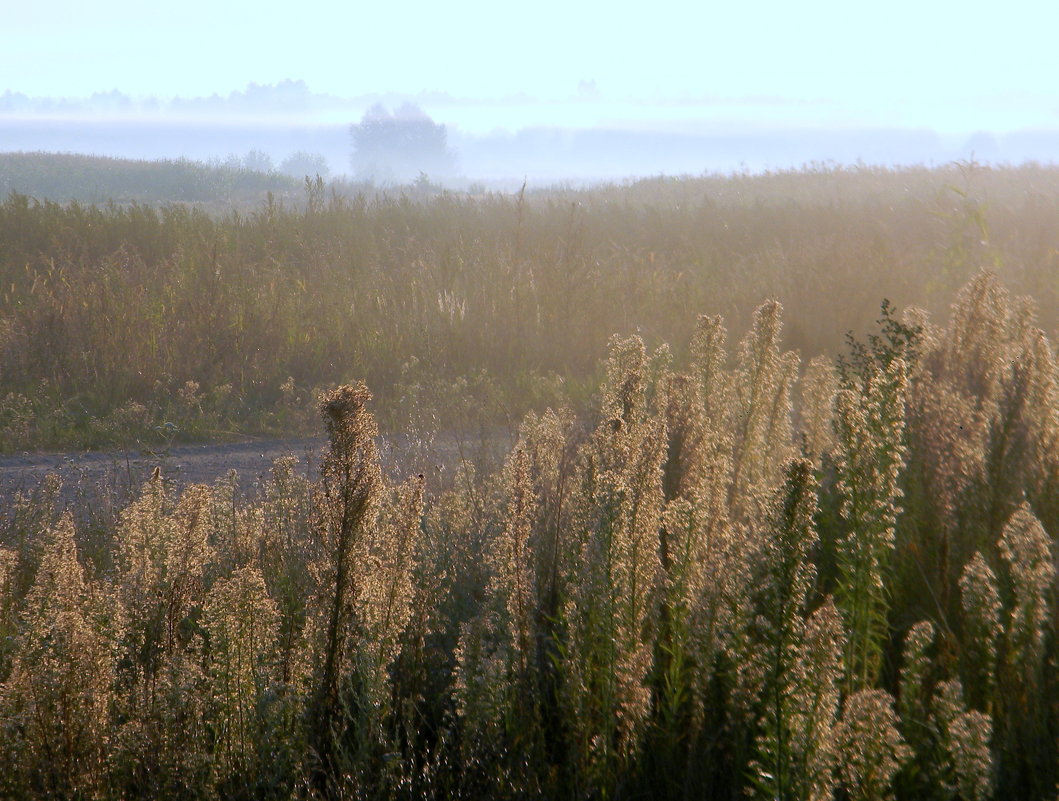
(950, 66)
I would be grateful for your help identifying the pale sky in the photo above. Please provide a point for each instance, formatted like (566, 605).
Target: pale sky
(952, 66)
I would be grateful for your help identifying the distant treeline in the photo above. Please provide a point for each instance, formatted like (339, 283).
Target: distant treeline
(539, 153)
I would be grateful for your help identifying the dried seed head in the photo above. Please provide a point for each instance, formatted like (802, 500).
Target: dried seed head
(964, 738)
(343, 405)
(871, 749)
(915, 673)
(982, 627)
(1026, 549)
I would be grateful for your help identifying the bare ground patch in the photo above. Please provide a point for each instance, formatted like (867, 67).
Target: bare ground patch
(118, 474)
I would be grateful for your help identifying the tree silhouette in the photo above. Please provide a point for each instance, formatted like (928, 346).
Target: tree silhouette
(397, 147)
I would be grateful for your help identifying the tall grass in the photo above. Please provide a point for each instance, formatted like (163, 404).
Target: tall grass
(714, 573)
(115, 320)
(659, 599)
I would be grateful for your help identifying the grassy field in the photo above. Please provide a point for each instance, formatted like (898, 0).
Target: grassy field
(115, 320)
(763, 560)
(68, 177)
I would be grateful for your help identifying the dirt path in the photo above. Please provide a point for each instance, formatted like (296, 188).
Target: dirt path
(119, 473)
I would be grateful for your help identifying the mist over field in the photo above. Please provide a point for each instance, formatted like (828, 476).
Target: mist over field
(580, 138)
(566, 401)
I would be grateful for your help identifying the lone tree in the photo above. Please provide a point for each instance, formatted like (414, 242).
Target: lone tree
(398, 147)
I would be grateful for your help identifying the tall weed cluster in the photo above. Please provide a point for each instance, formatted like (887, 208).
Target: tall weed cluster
(735, 578)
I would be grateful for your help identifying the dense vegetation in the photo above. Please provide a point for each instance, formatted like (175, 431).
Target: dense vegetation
(67, 177)
(693, 593)
(116, 320)
(721, 571)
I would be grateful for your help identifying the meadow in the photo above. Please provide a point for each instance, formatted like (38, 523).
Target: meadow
(734, 552)
(118, 319)
(69, 177)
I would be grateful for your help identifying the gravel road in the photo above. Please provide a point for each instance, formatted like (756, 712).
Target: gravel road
(119, 473)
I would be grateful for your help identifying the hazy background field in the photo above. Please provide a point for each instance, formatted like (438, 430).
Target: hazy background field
(458, 310)
(572, 93)
(499, 143)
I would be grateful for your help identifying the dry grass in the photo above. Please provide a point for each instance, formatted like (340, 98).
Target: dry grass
(689, 591)
(117, 320)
